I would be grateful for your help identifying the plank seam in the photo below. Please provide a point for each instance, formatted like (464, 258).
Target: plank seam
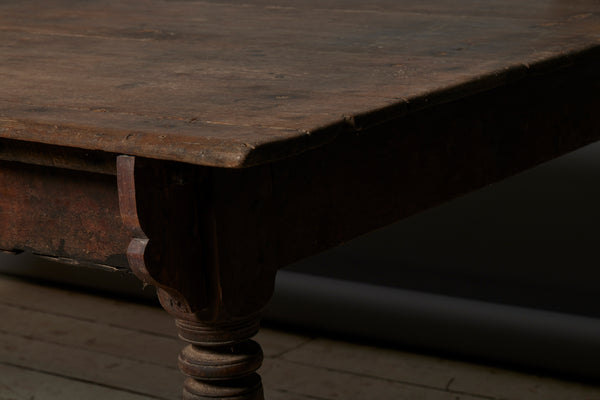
(388, 380)
(91, 320)
(82, 380)
(84, 348)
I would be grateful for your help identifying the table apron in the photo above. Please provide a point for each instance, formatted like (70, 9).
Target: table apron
(62, 213)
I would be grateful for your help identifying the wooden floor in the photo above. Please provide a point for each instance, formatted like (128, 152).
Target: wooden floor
(58, 344)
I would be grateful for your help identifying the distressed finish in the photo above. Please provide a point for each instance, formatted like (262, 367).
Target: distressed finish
(69, 215)
(174, 248)
(239, 83)
(206, 144)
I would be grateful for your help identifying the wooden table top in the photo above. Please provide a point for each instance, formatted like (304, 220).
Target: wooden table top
(239, 83)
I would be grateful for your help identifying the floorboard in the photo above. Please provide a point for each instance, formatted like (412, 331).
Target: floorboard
(18, 383)
(64, 344)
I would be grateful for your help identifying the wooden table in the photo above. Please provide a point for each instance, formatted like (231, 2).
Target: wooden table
(205, 144)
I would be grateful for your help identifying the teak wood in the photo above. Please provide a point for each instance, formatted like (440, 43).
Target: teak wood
(206, 144)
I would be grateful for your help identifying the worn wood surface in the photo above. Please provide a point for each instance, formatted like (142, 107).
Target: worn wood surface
(347, 116)
(167, 207)
(234, 83)
(293, 208)
(97, 348)
(229, 230)
(61, 213)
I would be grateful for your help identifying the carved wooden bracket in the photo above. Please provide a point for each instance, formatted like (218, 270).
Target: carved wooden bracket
(168, 209)
(160, 205)
(200, 235)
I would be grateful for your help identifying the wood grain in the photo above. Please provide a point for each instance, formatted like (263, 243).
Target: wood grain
(235, 84)
(61, 213)
(81, 330)
(258, 219)
(17, 383)
(290, 209)
(82, 308)
(444, 374)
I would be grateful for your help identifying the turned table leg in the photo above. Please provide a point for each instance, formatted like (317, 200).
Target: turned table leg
(221, 360)
(167, 209)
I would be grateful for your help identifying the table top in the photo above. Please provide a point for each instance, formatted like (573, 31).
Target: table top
(239, 83)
